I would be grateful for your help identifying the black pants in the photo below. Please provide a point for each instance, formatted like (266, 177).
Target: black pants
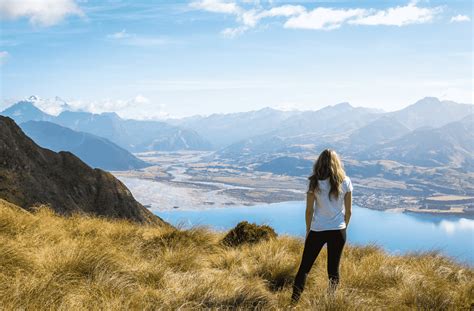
(315, 241)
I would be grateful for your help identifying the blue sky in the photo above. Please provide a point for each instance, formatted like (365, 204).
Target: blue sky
(155, 59)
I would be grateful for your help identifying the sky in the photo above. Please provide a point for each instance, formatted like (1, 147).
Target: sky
(150, 59)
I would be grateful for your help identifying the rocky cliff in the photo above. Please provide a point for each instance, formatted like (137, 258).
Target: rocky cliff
(31, 175)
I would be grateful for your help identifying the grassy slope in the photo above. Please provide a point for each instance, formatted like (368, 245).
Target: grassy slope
(50, 262)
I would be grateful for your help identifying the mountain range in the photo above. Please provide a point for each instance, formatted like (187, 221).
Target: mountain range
(361, 133)
(31, 175)
(94, 150)
(132, 135)
(449, 145)
(223, 130)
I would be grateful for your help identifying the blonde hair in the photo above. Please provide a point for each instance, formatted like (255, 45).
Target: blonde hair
(329, 166)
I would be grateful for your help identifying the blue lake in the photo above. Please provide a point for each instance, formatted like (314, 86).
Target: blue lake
(397, 233)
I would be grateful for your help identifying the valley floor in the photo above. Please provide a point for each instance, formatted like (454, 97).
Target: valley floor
(196, 180)
(186, 180)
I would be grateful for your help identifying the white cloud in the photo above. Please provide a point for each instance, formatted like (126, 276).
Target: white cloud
(216, 6)
(140, 99)
(119, 35)
(123, 37)
(460, 18)
(138, 107)
(399, 16)
(108, 105)
(248, 18)
(319, 18)
(284, 10)
(234, 32)
(3, 57)
(323, 18)
(39, 12)
(252, 17)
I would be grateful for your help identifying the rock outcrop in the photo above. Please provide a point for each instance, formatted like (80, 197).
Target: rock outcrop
(31, 175)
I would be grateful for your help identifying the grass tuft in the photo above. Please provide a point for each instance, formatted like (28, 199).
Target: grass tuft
(247, 233)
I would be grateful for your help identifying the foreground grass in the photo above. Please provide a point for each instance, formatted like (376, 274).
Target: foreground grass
(50, 262)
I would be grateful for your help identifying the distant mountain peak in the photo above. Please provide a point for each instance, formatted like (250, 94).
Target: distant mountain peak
(269, 109)
(33, 98)
(343, 105)
(112, 115)
(432, 112)
(427, 101)
(62, 103)
(22, 106)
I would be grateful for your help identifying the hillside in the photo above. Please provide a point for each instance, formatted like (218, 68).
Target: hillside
(450, 145)
(287, 166)
(79, 263)
(30, 175)
(225, 129)
(380, 130)
(336, 119)
(95, 151)
(431, 112)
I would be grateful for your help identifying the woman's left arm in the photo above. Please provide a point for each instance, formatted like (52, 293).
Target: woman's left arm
(309, 210)
(348, 207)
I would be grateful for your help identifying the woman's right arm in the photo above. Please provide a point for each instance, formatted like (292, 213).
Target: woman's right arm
(348, 207)
(309, 210)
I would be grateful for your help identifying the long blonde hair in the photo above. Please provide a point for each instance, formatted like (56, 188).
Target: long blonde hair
(329, 166)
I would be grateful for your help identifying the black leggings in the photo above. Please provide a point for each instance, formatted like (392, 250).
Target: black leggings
(312, 246)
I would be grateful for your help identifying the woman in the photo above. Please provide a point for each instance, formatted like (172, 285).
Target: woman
(328, 211)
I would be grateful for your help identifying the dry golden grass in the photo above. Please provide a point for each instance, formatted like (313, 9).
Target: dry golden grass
(49, 262)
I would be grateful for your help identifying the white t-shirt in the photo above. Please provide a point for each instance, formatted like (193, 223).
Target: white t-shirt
(329, 213)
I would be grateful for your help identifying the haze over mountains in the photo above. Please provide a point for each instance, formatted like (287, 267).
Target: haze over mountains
(362, 133)
(94, 150)
(133, 135)
(449, 145)
(224, 129)
(357, 132)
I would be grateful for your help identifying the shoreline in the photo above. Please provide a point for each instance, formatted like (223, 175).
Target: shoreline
(396, 210)
(288, 220)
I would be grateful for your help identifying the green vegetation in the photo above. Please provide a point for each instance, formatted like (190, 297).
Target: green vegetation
(52, 262)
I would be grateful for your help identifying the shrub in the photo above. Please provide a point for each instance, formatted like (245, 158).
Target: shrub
(245, 232)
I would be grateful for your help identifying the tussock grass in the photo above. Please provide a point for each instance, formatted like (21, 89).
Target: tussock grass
(84, 263)
(245, 233)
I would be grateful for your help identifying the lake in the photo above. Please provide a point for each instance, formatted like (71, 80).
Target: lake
(397, 233)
